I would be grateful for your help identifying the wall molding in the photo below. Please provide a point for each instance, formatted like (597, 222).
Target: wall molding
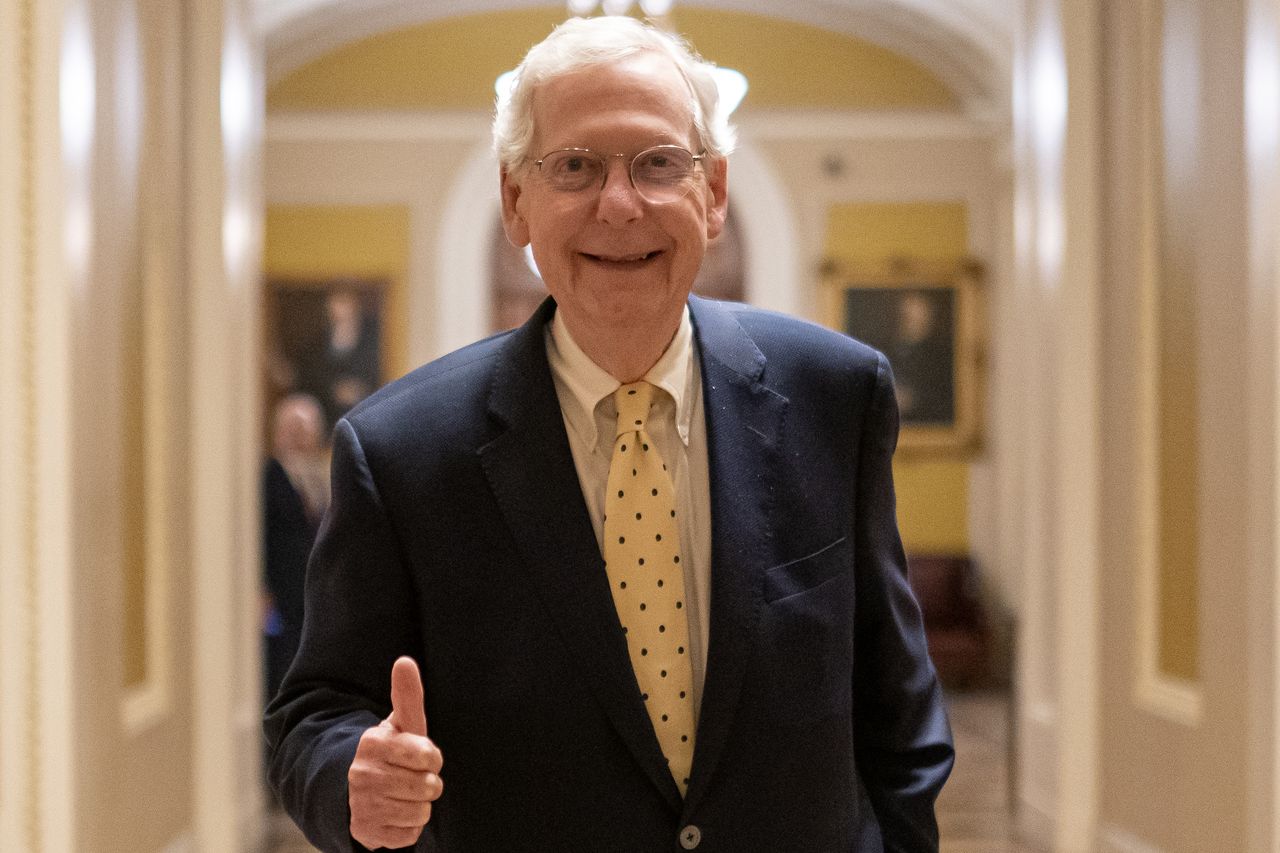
(962, 42)
(462, 125)
(1173, 699)
(19, 803)
(148, 704)
(27, 237)
(45, 675)
(1262, 134)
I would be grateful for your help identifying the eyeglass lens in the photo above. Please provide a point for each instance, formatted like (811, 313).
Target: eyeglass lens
(662, 174)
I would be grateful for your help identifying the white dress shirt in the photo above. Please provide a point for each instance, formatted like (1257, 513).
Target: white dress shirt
(677, 426)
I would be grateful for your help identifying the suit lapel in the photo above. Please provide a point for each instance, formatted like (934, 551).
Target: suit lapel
(744, 422)
(531, 471)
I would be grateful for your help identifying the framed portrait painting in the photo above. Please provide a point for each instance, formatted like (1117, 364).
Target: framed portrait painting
(324, 339)
(926, 320)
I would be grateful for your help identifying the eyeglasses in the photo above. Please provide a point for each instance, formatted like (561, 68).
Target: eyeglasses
(661, 174)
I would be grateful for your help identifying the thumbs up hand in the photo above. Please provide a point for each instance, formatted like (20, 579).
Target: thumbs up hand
(408, 711)
(395, 776)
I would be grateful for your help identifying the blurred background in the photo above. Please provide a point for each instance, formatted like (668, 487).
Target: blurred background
(224, 222)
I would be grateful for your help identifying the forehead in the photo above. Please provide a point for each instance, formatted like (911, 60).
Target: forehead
(640, 99)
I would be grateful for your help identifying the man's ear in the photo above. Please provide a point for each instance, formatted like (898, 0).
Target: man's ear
(513, 222)
(717, 197)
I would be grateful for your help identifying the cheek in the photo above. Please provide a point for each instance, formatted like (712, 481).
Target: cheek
(692, 239)
(551, 228)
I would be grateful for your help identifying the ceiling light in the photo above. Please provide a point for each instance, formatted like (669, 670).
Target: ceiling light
(656, 8)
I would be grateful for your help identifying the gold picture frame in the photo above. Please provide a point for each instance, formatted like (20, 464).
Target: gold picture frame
(927, 320)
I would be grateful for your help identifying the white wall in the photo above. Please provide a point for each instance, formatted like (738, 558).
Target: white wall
(129, 290)
(1113, 753)
(1189, 764)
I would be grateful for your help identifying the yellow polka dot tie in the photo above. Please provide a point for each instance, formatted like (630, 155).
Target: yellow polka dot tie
(642, 556)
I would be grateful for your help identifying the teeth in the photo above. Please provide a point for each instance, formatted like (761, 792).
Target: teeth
(625, 259)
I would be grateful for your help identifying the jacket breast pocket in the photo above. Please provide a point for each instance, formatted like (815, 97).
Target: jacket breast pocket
(807, 634)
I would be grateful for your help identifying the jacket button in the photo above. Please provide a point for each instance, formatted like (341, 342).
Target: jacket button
(690, 837)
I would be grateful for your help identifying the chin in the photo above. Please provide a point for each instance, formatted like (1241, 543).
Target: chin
(640, 306)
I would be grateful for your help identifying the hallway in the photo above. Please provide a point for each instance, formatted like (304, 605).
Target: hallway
(1101, 179)
(973, 811)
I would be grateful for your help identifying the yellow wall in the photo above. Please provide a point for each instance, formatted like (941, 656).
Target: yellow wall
(316, 242)
(933, 492)
(794, 65)
(452, 63)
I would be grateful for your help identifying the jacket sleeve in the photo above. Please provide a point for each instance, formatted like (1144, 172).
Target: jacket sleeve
(903, 740)
(360, 615)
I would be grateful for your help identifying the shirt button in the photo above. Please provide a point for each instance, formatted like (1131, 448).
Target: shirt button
(690, 837)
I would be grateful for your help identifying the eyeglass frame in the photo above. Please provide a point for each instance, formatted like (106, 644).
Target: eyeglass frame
(604, 178)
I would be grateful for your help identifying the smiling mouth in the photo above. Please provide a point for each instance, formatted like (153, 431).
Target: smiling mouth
(622, 260)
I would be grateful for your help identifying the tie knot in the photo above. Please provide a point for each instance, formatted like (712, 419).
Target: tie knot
(633, 406)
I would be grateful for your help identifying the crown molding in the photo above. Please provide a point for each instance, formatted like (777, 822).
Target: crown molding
(469, 126)
(964, 42)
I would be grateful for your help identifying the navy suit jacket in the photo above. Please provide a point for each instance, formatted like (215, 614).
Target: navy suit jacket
(458, 534)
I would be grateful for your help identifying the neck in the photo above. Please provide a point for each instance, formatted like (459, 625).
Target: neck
(626, 354)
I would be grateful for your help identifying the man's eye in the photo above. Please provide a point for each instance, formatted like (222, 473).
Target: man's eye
(662, 167)
(576, 167)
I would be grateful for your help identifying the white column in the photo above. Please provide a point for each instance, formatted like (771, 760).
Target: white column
(1262, 139)
(16, 286)
(224, 222)
(46, 57)
(1057, 264)
(1078, 463)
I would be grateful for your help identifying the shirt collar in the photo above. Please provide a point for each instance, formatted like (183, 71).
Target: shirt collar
(588, 384)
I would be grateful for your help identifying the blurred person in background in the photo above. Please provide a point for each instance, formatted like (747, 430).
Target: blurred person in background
(295, 495)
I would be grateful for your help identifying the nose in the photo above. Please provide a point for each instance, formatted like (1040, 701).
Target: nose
(619, 202)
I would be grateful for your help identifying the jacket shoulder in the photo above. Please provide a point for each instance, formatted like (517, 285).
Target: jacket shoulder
(788, 342)
(434, 393)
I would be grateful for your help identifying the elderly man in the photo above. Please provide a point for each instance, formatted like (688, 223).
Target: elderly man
(634, 563)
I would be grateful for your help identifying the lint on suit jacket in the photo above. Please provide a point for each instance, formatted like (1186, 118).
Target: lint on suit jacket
(458, 534)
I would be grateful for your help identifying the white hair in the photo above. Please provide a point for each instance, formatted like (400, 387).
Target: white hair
(582, 42)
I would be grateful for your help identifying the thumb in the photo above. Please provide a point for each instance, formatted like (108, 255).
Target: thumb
(407, 712)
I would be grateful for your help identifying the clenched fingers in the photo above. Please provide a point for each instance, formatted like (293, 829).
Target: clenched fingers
(392, 782)
(381, 812)
(395, 783)
(386, 836)
(410, 751)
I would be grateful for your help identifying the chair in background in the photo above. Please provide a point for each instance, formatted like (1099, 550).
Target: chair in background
(955, 620)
